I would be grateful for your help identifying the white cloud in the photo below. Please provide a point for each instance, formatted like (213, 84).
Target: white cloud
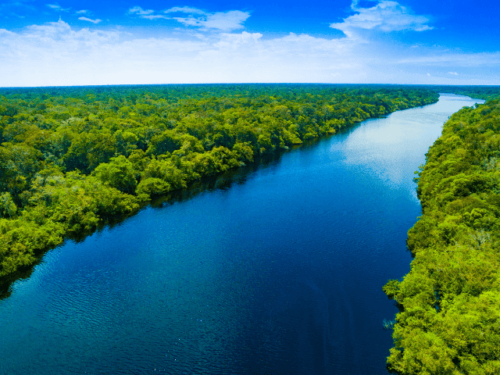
(188, 10)
(453, 73)
(96, 21)
(224, 21)
(221, 21)
(83, 11)
(386, 16)
(58, 8)
(139, 11)
(154, 17)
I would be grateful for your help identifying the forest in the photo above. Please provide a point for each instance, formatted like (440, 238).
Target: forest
(73, 159)
(449, 319)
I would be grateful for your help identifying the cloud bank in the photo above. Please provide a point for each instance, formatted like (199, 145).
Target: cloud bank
(58, 54)
(386, 16)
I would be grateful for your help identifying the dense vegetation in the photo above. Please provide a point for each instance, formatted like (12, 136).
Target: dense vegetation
(449, 320)
(74, 158)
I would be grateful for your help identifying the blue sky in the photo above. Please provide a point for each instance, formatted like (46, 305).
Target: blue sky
(345, 41)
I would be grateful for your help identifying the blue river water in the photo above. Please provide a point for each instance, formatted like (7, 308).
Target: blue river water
(275, 269)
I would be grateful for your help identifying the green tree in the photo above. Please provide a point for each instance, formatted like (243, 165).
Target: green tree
(7, 205)
(119, 173)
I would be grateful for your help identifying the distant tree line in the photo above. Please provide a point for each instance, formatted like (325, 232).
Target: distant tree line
(477, 92)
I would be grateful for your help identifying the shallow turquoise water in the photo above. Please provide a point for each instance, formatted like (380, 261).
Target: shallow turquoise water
(276, 270)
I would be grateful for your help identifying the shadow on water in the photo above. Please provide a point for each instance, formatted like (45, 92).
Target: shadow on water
(221, 182)
(233, 177)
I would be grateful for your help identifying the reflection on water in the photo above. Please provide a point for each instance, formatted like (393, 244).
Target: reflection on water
(279, 272)
(390, 146)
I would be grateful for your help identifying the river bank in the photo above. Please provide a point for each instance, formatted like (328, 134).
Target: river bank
(449, 300)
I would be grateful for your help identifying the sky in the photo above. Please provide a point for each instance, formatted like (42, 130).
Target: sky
(66, 42)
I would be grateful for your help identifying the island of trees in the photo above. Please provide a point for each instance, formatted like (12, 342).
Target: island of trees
(72, 159)
(449, 320)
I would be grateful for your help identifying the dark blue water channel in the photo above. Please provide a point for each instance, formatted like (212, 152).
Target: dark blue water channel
(278, 271)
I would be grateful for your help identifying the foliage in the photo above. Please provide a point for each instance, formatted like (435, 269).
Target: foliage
(73, 158)
(449, 319)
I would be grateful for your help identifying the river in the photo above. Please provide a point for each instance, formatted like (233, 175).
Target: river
(276, 270)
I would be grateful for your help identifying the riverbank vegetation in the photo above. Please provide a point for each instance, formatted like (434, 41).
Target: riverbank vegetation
(449, 319)
(74, 158)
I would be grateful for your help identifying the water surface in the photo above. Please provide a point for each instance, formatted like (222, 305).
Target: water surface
(279, 272)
